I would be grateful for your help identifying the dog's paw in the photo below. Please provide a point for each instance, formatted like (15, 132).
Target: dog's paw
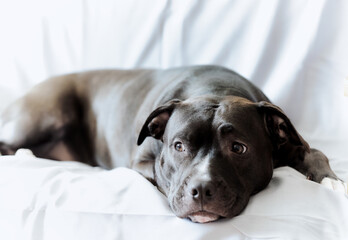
(335, 185)
(24, 152)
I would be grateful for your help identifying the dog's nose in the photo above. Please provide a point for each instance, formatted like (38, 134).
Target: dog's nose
(202, 191)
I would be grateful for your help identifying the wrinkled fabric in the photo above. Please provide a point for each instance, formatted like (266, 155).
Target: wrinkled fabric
(44, 199)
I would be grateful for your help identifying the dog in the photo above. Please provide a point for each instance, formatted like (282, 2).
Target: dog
(204, 135)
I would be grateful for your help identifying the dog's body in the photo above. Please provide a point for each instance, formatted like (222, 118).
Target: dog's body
(215, 137)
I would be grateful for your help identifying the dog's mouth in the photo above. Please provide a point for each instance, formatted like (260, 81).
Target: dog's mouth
(203, 217)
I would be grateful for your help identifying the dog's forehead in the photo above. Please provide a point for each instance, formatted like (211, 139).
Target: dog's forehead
(192, 118)
(235, 101)
(240, 112)
(209, 113)
(197, 108)
(235, 106)
(194, 114)
(207, 109)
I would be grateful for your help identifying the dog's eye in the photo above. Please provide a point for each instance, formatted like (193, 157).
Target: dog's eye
(179, 147)
(238, 148)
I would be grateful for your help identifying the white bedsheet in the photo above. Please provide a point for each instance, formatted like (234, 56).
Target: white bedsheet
(296, 51)
(70, 200)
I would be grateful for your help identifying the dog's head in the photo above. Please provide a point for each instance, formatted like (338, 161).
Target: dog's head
(216, 153)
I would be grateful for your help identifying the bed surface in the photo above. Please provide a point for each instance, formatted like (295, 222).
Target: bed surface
(295, 51)
(70, 200)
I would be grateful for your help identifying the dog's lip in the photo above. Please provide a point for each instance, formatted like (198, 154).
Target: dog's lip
(203, 217)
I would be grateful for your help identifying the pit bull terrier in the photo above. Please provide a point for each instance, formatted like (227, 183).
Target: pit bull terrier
(207, 138)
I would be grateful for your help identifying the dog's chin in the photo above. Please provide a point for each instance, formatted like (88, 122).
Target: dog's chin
(203, 217)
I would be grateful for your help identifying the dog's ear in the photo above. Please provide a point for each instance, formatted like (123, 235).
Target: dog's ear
(156, 122)
(282, 133)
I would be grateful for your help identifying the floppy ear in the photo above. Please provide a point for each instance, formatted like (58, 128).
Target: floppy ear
(156, 122)
(283, 134)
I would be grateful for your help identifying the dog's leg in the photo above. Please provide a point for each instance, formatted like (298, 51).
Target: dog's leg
(145, 156)
(49, 114)
(292, 150)
(315, 166)
(28, 123)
